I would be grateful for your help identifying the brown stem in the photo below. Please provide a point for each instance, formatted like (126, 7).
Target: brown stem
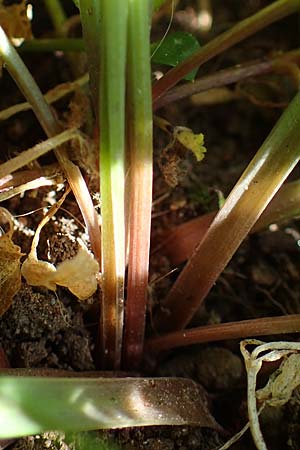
(230, 330)
(226, 76)
(239, 32)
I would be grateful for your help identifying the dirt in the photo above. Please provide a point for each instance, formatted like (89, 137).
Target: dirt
(43, 329)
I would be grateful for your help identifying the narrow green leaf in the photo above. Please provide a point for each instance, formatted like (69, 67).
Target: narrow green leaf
(174, 49)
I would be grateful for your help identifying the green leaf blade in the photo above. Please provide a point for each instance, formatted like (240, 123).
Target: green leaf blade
(174, 49)
(32, 405)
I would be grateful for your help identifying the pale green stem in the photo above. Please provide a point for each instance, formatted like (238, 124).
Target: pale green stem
(52, 45)
(105, 32)
(56, 13)
(112, 167)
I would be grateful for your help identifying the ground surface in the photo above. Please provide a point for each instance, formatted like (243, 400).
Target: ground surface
(47, 330)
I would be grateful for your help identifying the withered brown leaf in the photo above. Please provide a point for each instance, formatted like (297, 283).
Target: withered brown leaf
(10, 273)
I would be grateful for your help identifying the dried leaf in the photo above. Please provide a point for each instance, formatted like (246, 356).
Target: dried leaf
(38, 273)
(282, 383)
(79, 274)
(10, 275)
(15, 22)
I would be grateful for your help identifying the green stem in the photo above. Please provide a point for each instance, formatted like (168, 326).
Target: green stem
(244, 29)
(90, 20)
(112, 171)
(259, 183)
(56, 13)
(53, 45)
(140, 173)
(105, 31)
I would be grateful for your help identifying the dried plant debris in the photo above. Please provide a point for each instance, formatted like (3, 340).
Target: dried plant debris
(14, 20)
(183, 140)
(58, 92)
(10, 274)
(281, 384)
(79, 274)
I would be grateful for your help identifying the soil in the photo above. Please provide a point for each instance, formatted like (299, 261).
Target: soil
(43, 329)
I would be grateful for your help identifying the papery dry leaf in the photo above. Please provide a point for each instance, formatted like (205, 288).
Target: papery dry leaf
(10, 275)
(282, 383)
(15, 22)
(79, 274)
(38, 273)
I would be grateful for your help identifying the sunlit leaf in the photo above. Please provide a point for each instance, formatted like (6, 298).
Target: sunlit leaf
(31, 405)
(174, 48)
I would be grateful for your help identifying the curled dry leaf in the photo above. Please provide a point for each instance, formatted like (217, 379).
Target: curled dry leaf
(38, 273)
(10, 275)
(78, 274)
(281, 385)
